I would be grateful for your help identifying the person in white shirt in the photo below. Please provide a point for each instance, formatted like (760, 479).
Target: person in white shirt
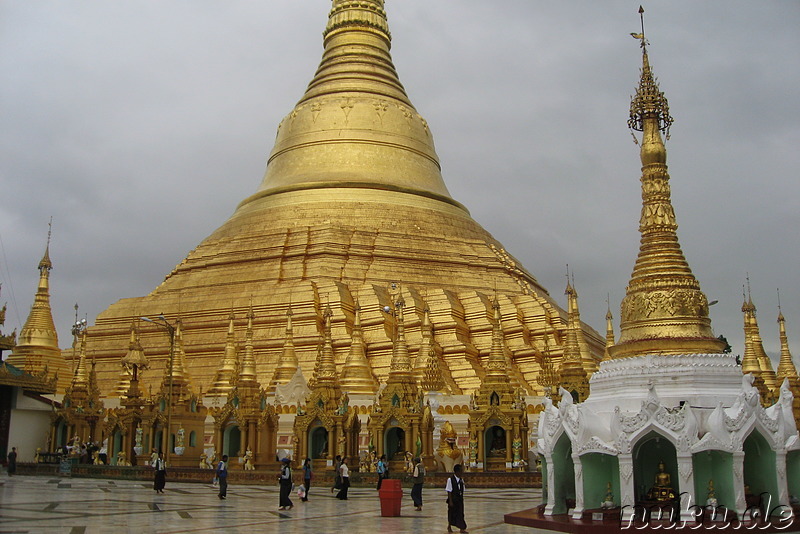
(345, 472)
(455, 500)
(160, 467)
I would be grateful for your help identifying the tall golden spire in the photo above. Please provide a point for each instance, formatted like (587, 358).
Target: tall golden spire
(181, 386)
(247, 369)
(609, 334)
(400, 367)
(325, 368)
(751, 363)
(287, 363)
(222, 381)
(357, 375)
(133, 362)
(664, 310)
(355, 116)
(786, 367)
(80, 381)
(37, 345)
(573, 373)
(767, 372)
(496, 366)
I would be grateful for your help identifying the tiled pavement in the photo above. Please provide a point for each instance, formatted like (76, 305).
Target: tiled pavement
(30, 504)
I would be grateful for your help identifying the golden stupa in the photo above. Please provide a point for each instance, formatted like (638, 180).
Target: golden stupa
(351, 213)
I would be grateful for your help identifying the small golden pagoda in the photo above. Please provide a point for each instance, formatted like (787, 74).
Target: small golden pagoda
(357, 377)
(753, 360)
(609, 334)
(287, 364)
(188, 413)
(498, 419)
(664, 311)
(319, 427)
(81, 407)
(352, 200)
(398, 419)
(37, 346)
(126, 421)
(246, 415)
(223, 380)
(787, 369)
(574, 377)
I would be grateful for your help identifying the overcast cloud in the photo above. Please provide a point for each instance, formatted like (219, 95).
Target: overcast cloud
(140, 125)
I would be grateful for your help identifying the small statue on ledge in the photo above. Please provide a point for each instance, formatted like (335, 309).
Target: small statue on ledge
(608, 502)
(248, 460)
(712, 495)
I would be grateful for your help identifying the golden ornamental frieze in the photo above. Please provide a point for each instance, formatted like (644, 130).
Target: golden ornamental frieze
(660, 214)
(668, 303)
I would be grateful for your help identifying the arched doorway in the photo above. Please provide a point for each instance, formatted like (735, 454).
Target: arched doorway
(318, 443)
(600, 470)
(232, 441)
(394, 443)
(714, 467)
(563, 483)
(793, 473)
(760, 476)
(116, 445)
(648, 453)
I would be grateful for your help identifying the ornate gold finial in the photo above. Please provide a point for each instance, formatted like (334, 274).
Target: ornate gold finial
(400, 365)
(752, 360)
(325, 368)
(247, 369)
(664, 311)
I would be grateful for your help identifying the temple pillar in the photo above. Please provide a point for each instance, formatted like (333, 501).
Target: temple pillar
(551, 474)
(686, 486)
(481, 448)
(508, 447)
(738, 482)
(783, 484)
(218, 440)
(627, 497)
(579, 498)
(251, 437)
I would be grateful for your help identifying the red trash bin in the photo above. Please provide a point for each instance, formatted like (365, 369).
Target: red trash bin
(391, 493)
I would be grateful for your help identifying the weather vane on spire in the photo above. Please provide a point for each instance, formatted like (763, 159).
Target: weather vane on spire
(640, 36)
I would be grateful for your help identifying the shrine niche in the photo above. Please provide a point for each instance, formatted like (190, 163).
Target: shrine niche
(246, 426)
(320, 432)
(498, 421)
(397, 425)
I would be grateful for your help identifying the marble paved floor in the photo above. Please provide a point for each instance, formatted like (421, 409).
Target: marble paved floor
(75, 506)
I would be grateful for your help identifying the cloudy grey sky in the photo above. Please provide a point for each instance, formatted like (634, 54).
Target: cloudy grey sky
(139, 126)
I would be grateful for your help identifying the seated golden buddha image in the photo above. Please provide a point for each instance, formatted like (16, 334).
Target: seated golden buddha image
(662, 490)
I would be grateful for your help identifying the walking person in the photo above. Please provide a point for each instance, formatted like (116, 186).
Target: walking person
(12, 462)
(383, 470)
(285, 480)
(418, 477)
(455, 500)
(345, 473)
(337, 479)
(160, 467)
(306, 478)
(222, 477)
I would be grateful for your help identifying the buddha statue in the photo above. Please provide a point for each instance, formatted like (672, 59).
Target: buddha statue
(662, 489)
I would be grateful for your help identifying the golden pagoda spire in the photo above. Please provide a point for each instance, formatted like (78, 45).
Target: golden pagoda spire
(587, 361)
(247, 369)
(422, 360)
(609, 333)
(181, 387)
(664, 310)
(764, 362)
(357, 374)
(400, 367)
(133, 362)
(37, 346)
(496, 366)
(222, 381)
(287, 363)
(80, 381)
(355, 114)
(786, 367)
(750, 360)
(573, 374)
(325, 367)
